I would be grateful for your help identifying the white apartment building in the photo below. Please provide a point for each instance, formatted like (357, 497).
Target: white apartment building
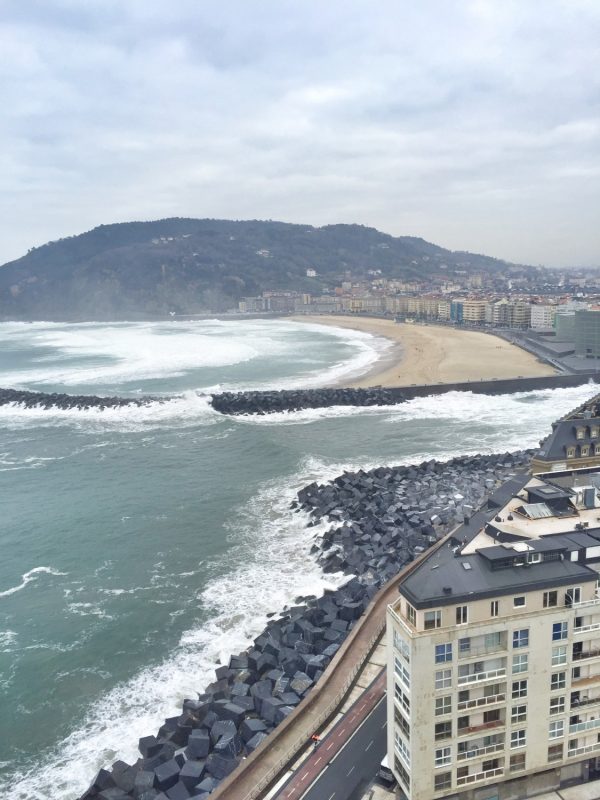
(494, 648)
(542, 316)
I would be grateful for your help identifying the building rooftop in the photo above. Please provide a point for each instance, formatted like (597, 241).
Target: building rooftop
(513, 545)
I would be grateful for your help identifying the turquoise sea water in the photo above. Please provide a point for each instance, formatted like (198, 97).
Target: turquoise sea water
(142, 545)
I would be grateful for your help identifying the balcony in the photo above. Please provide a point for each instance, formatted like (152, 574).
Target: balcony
(594, 626)
(479, 677)
(589, 725)
(484, 726)
(477, 702)
(593, 652)
(587, 681)
(580, 751)
(479, 776)
(587, 603)
(585, 701)
(478, 752)
(478, 648)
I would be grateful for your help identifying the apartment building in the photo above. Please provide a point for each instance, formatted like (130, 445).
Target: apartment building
(574, 441)
(494, 648)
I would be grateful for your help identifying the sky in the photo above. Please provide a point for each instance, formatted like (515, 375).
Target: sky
(474, 124)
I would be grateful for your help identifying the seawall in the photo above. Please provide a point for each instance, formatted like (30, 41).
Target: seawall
(265, 402)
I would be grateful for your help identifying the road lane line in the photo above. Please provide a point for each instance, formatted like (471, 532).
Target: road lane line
(330, 796)
(304, 777)
(348, 773)
(369, 745)
(317, 761)
(329, 746)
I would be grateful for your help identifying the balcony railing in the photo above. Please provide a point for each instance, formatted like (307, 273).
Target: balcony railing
(477, 702)
(582, 656)
(496, 723)
(594, 626)
(477, 677)
(587, 603)
(479, 776)
(477, 752)
(579, 751)
(482, 650)
(586, 701)
(590, 725)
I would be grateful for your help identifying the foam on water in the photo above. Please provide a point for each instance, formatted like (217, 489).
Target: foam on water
(273, 568)
(30, 577)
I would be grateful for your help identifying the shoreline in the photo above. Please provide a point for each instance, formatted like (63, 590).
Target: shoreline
(424, 354)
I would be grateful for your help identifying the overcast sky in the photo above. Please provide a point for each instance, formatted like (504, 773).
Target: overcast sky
(475, 125)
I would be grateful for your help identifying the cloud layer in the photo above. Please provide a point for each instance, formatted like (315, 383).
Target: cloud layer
(473, 124)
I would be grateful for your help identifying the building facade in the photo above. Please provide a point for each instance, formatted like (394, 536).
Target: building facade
(494, 649)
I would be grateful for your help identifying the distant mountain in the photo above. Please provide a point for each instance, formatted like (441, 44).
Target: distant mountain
(145, 269)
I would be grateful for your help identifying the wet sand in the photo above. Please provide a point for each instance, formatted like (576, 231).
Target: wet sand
(436, 354)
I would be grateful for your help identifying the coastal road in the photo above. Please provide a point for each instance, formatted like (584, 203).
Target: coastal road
(349, 756)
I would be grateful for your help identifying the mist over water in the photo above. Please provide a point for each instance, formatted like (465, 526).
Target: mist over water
(141, 546)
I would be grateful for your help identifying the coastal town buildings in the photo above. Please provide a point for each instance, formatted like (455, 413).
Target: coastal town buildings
(494, 648)
(574, 441)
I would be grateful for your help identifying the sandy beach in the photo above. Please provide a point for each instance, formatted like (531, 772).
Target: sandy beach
(436, 354)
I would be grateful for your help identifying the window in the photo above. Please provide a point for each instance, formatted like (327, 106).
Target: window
(443, 705)
(402, 749)
(555, 752)
(443, 678)
(585, 450)
(594, 433)
(573, 596)
(559, 655)
(559, 631)
(557, 681)
(517, 762)
(491, 716)
(443, 757)
(570, 452)
(518, 714)
(402, 698)
(519, 689)
(402, 646)
(464, 645)
(463, 696)
(575, 673)
(443, 652)
(550, 599)
(402, 672)
(442, 730)
(442, 780)
(518, 739)
(462, 723)
(404, 776)
(490, 764)
(521, 638)
(520, 663)
(402, 723)
(580, 433)
(557, 705)
(411, 615)
(493, 640)
(494, 608)
(597, 449)
(462, 615)
(519, 602)
(556, 729)
(432, 619)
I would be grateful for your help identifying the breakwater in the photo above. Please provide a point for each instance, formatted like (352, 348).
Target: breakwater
(268, 402)
(379, 520)
(68, 401)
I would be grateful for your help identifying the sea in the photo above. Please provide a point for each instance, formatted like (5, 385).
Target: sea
(140, 546)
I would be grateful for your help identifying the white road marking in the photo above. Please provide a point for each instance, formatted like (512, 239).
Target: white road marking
(304, 777)
(329, 746)
(317, 761)
(369, 745)
(333, 795)
(351, 769)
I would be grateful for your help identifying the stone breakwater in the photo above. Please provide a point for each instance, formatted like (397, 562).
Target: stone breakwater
(296, 400)
(268, 402)
(69, 401)
(380, 520)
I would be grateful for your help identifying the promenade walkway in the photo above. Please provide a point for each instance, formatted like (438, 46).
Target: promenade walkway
(265, 766)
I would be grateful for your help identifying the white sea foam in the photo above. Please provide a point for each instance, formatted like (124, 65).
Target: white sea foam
(272, 568)
(30, 577)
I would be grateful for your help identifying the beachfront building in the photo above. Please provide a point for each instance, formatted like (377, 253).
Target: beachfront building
(542, 316)
(574, 442)
(494, 648)
(587, 333)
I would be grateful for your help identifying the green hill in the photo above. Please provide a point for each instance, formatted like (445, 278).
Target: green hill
(145, 269)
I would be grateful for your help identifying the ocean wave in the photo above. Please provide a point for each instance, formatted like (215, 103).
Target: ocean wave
(30, 577)
(271, 567)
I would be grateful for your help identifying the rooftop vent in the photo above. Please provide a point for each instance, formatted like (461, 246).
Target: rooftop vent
(447, 590)
(466, 565)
